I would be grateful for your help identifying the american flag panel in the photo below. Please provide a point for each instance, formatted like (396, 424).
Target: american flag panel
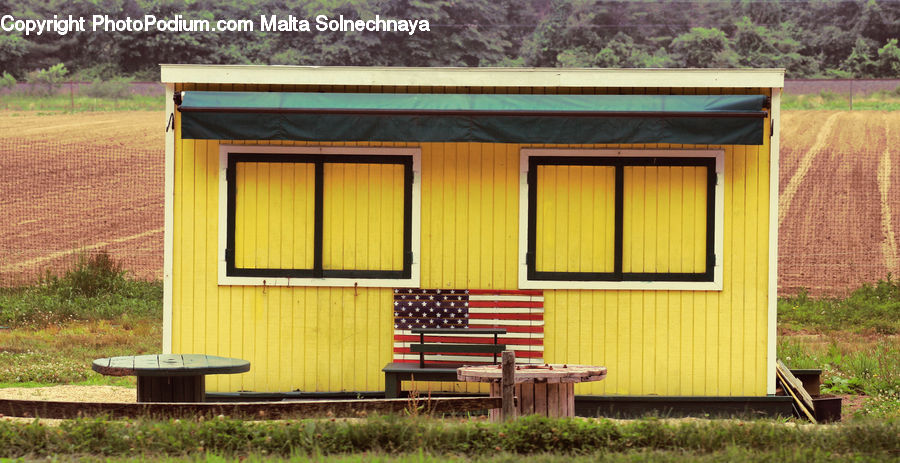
(521, 313)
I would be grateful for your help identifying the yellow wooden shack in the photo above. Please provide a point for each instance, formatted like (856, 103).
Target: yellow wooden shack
(625, 218)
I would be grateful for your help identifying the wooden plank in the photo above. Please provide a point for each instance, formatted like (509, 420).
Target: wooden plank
(526, 395)
(220, 365)
(181, 387)
(507, 384)
(195, 362)
(797, 401)
(164, 389)
(794, 390)
(250, 410)
(795, 383)
(553, 400)
(496, 391)
(458, 348)
(101, 366)
(162, 362)
(458, 330)
(144, 389)
(540, 398)
(114, 366)
(121, 362)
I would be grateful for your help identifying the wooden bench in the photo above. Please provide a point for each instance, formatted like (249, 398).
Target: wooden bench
(396, 372)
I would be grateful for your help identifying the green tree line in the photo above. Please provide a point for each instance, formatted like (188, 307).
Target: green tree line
(813, 38)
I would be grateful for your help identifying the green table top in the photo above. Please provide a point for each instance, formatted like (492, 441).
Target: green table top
(169, 365)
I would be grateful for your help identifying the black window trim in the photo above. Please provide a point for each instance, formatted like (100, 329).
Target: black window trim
(319, 161)
(619, 163)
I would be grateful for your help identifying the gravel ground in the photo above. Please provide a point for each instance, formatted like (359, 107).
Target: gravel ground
(71, 393)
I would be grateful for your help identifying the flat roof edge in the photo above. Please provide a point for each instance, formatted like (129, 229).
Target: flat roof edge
(471, 77)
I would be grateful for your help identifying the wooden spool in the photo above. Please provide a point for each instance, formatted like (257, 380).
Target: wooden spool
(541, 389)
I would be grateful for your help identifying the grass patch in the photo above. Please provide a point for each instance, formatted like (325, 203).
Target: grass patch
(412, 437)
(32, 357)
(92, 380)
(871, 308)
(80, 103)
(826, 100)
(853, 340)
(52, 331)
(730, 454)
(95, 289)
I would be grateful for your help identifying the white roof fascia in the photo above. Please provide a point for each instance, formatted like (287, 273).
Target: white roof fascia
(472, 77)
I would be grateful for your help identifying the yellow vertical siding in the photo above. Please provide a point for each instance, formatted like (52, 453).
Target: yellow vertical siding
(470, 215)
(575, 218)
(332, 339)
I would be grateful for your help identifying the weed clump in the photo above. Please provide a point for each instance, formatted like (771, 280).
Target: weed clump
(114, 89)
(873, 308)
(96, 288)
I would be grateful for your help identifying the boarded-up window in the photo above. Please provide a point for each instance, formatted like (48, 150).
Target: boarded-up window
(274, 215)
(664, 219)
(339, 216)
(621, 218)
(363, 217)
(576, 218)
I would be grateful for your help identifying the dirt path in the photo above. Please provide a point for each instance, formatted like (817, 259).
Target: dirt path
(822, 139)
(889, 245)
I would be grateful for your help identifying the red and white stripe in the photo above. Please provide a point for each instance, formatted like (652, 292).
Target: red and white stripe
(521, 313)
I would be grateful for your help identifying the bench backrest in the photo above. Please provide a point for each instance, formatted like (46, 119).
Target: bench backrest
(456, 345)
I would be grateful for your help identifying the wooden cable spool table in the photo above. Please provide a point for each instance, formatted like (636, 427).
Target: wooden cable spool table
(170, 377)
(541, 389)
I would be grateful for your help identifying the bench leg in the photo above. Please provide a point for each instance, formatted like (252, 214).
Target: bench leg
(391, 386)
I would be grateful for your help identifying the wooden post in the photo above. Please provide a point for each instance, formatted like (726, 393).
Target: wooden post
(507, 385)
(851, 94)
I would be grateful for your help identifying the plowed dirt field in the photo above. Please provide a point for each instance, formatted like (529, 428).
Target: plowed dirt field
(76, 184)
(840, 199)
(88, 182)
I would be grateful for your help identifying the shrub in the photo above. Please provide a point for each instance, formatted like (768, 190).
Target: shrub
(519, 440)
(118, 88)
(7, 81)
(46, 81)
(99, 71)
(92, 275)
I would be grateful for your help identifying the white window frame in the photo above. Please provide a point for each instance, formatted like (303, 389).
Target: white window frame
(225, 150)
(715, 285)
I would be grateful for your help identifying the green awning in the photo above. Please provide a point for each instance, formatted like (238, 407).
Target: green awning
(498, 118)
